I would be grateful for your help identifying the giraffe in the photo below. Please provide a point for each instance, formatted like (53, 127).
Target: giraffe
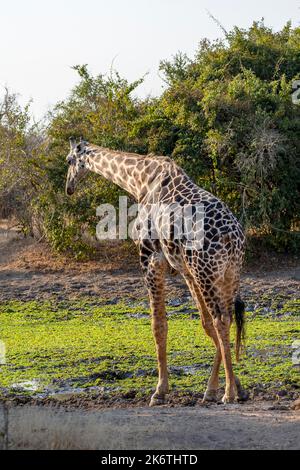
(211, 271)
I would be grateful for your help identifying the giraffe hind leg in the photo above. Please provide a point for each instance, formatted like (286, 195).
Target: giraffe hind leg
(217, 302)
(207, 323)
(231, 281)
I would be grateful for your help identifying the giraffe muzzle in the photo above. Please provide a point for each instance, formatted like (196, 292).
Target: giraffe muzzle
(69, 191)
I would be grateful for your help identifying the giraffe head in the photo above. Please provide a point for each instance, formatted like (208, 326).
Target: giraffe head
(76, 160)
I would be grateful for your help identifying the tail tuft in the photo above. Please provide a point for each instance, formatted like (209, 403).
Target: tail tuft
(239, 313)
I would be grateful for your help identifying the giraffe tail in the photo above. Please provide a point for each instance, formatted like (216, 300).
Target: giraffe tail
(239, 313)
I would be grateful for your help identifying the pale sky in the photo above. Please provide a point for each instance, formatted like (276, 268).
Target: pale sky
(41, 39)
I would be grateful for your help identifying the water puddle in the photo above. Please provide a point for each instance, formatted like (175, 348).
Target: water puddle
(74, 386)
(28, 386)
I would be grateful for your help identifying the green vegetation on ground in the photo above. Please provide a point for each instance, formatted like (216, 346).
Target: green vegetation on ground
(70, 345)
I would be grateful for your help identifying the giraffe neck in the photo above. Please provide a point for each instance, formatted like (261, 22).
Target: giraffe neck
(137, 174)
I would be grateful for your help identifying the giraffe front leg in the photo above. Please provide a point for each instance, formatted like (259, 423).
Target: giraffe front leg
(155, 283)
(160, 328)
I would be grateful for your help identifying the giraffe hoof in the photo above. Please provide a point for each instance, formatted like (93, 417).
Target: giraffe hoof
(228, 399)
(157, 400)
(210, 396)
(243, 395)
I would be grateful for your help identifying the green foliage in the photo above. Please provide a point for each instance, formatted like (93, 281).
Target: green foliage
(235, 128)
(21, 157)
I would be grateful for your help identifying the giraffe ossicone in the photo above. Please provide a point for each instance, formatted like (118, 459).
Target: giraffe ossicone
(211, 271)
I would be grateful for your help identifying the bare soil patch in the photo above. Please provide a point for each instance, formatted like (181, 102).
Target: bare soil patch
(249, 426)
(29, 270)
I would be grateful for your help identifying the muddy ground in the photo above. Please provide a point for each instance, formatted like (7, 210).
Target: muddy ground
(30, 271)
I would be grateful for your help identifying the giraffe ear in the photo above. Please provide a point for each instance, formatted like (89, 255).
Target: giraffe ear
(83, 141)
(72, 143)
